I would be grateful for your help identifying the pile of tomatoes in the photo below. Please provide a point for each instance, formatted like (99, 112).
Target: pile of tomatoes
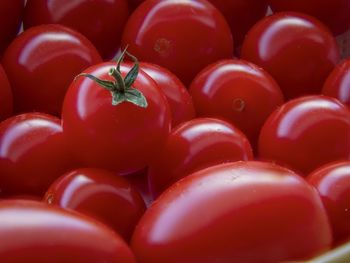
(173, 130)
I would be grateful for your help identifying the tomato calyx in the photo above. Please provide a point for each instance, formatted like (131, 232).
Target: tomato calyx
(121, 88)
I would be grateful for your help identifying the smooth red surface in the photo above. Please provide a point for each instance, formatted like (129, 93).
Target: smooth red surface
(239, 91)
(35, 232)
(241, 15)
(10, 20)
(234, 212)
(182, 36)
(334, 13)
(194, 145)
(297, 50)
(333, 184)
(101, 21)
(306, 133)
(337, 84)
(179, 99)
(41, 63)
(100, 194)
(120, 138)
(32, 153)
(6, 100)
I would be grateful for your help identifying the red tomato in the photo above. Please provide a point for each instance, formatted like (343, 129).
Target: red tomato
(182, 36)
(179, 99)
(6, 103)
(194, 145)
(238, 91)
(337, 84)
(10, 21)
(122, 137)
(101, 21)
(306, 133)
(40, 64)
(100, 194)
(134, 3)
(234, 212)
(333, 184)
(334, 13)
(241, 15)
(32, 153)
(33, 232)
(296, 49)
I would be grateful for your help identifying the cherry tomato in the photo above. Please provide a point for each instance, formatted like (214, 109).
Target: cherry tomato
(234, 212)
(6, 102)
(241, 15)
(194, 145)
(35, 232)
(296, 49)
(333, 184)
(40, 64)
(238, 91)
(121, 137)
(337, 84)
(32, 153)
(182, 36)
(100, 194)
(10, 20)
(101, 21)
(334, 13)
(179, 99)
(306, 133)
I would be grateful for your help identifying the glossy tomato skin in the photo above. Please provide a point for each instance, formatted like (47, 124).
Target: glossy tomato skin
(337, 84)
(101, 21)
(234, 212)
(10, 20)
(180, 101)
(333, 184)
(306, 133)
(41, 233)
(32, 153)
(121, 138)
(182, 36)
(6, 100)
(194, 145)
(241, 15)
(100, 194)
(334, 13)
(40, 64)
(238, 91)
(297, 50)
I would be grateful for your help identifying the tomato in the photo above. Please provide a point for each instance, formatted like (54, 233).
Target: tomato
(296, 49)
(6, 101)
(34, 232)
(337, 84)
(334, 13)
(333, 184)
(194, 145)
(32, 153)
(238, 91)
(40, 64)
(234, 212)
(182, 36)
(306, 133)
(100, 194)
(241, 15)
(10, 21)
(122, 137)
(179, 99)
(133, 4)
(101, 21)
